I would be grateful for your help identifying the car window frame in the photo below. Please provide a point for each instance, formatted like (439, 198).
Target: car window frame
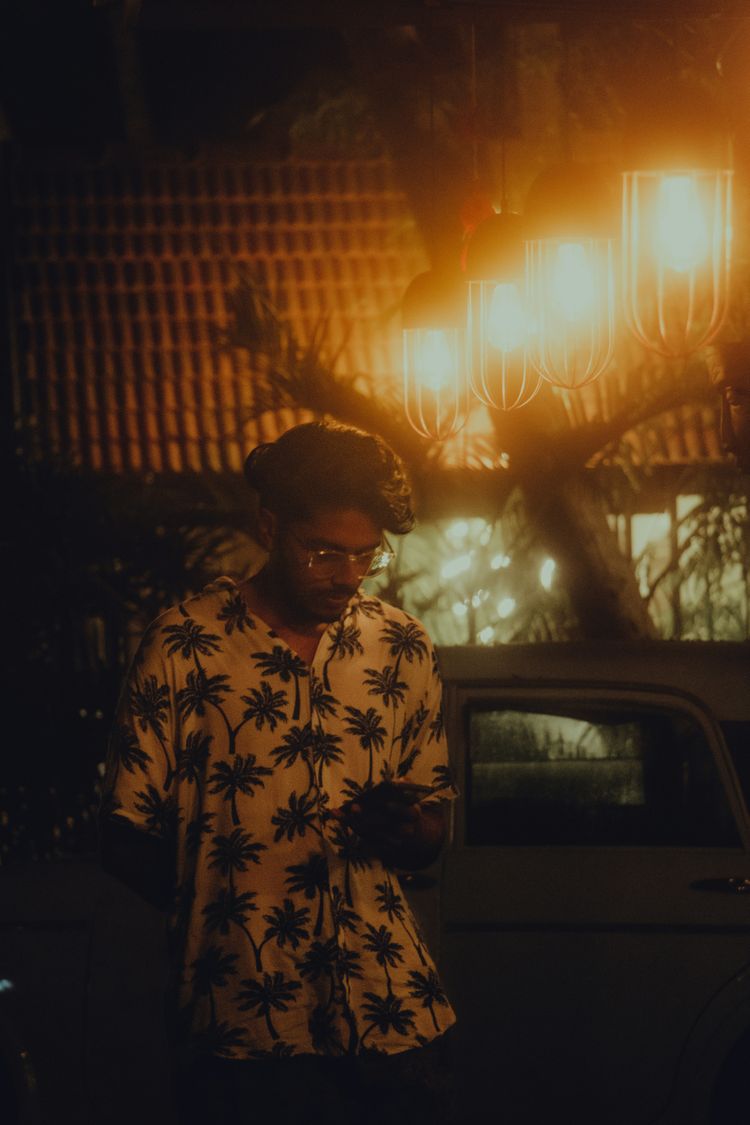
(460, 695)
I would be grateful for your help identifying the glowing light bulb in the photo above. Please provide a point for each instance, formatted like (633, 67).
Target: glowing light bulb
(506, 322)
(546, 573)
(434, 361)
(681, 233)
(572, 281)
(505, 607)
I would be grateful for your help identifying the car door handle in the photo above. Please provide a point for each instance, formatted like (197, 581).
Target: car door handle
(729, 885)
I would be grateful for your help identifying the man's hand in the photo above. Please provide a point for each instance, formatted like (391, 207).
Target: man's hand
(395, 826)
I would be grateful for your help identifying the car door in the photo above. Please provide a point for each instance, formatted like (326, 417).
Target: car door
(592, 900)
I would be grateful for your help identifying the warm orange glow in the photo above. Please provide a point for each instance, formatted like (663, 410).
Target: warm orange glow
(497, 338)
(676, 257)
(571, 299)
(506, 321)
(435, 390)
(572, 282)
(433, 361)
(681, 235)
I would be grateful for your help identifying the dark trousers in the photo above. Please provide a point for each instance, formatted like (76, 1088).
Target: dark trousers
(411, 1088)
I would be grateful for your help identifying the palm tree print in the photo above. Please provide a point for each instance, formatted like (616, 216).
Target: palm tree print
(443, 777)
(324, 1033)
(326, 750)
(285, 664)
(127, 750)
(265, 706)
(427, 988)
(295, 745)
(296, 818)
(189, 638)
(192, 758)
(197, 828)
(349, 965)
(345, 644)
(368, 728)
(406, 764)
(391, 903)
(310, 879)
(322, 703)
(150, 706)
(234, 615)
(369, 607)
(387, 685)
(231, 908)
(234, 852)
(240, 776)
(161, 813)
(387, 1013)
(354, 853)
(405, 640)
(320, 960)
(212, 970)
(286, 924)
(275, 993)
(388, 952)
(343, 917)
(201, 689)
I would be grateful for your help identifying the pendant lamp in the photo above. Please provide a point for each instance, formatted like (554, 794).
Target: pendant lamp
(676, 222)
(497, 322)
(435, 384)
(676, 256)
(570, 274)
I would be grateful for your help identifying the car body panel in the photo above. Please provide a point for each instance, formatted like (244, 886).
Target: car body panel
(582, 975)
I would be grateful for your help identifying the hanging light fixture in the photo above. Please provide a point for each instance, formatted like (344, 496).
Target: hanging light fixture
(497, 323)
(570, 275)
(676, 222)
(435, 384)
(676, 256)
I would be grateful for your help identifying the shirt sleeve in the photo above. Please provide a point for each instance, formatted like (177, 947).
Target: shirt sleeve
(424, 758)
(139, 781)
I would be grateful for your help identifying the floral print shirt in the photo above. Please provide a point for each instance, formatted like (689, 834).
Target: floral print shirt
(287, 937)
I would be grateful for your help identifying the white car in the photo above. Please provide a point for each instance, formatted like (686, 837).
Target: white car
(593, 920)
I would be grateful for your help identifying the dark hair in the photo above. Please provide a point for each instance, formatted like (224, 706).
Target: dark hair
(326, 465)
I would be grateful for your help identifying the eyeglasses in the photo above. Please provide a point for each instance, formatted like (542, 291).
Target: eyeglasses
(369, 563)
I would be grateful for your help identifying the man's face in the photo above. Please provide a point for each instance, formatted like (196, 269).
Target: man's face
(316, 582)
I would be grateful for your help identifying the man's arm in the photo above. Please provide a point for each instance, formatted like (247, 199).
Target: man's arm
(144, 862)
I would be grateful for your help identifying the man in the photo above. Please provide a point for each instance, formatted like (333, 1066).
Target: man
(244, 792)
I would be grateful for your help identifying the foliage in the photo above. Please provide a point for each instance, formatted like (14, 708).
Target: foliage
(94, 560)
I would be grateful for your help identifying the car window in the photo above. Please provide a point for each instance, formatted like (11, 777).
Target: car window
(595, 774)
